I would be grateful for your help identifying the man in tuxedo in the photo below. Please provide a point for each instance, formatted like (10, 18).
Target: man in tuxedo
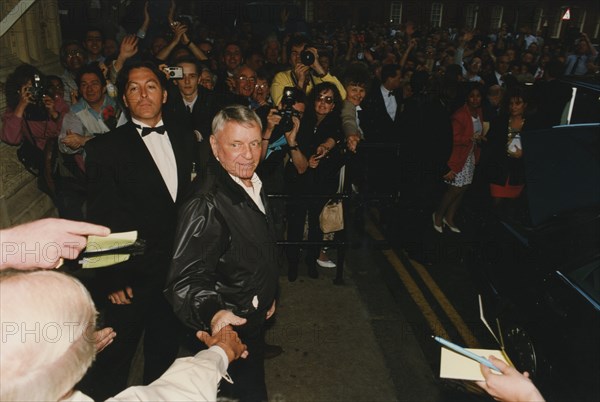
(381, 117)
(382, 107)
(137, 174)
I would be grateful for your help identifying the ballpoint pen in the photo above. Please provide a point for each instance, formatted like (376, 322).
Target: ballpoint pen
(466, 353)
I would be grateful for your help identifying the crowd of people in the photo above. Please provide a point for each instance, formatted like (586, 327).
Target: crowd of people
(182, 135)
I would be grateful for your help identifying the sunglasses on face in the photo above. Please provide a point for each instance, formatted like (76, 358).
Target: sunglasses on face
(326, 99)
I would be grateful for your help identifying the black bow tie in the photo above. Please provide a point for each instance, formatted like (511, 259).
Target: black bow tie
(391, 93)
(147, 130)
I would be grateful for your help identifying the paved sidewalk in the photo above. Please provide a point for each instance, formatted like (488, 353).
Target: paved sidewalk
(330, 351)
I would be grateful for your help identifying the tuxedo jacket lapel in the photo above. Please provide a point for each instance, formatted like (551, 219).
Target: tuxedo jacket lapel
(145, 168)
(381, 105)
(180, 150)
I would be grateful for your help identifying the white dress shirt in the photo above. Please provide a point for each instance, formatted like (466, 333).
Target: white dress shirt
(190, 104)
(390, 102)
(162, 153)
(499, 78)
(253, 191)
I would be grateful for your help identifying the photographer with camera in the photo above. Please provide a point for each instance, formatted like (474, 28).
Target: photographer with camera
(278, 141)
(32, 119)
(320, 132)
(305, 73)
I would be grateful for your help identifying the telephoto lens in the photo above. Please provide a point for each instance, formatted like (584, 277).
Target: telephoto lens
(307, 58)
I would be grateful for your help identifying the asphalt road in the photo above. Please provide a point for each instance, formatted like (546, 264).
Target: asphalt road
(429, 283)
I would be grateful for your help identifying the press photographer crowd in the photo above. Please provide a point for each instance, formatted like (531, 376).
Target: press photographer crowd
(180, 132)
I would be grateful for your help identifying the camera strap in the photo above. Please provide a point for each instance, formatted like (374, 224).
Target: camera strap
(295, 80)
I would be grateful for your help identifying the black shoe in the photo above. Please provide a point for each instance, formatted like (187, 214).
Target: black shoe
(272, 351)
(312, 271)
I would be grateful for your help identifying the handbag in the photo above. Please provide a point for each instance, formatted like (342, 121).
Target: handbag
(331, 218)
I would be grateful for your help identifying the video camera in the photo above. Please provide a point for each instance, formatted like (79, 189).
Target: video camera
(290, 97)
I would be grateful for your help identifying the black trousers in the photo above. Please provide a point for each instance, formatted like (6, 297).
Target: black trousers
(296, 215)
(150, 314)
(248, 374)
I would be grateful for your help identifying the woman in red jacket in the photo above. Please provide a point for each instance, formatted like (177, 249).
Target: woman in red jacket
(467, 128)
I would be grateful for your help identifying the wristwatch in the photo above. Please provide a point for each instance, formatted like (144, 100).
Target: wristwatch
(292, 148)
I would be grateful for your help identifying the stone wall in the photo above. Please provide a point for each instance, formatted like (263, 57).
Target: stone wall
(34, 39)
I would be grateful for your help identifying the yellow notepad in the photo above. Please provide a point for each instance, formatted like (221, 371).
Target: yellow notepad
(95, 256)
(458, 367)
(113, 241)
(103, 260)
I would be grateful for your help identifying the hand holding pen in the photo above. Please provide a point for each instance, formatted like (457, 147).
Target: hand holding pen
(510, 386)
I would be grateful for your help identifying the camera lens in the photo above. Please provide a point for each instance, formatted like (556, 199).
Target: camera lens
(307, 58)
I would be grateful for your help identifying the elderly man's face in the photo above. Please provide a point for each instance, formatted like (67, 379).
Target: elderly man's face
(245, 82)
(237, 148)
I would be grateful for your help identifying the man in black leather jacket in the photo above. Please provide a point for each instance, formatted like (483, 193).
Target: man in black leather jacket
(225, 261)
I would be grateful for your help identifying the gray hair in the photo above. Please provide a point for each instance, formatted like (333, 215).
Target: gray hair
(48, 319)
(239, 114)
(213, 76)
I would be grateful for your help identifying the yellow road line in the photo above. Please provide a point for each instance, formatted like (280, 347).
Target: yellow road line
(448, 308)
(413, 289)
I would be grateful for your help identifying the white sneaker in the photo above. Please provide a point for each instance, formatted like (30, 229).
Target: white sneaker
(326, 264)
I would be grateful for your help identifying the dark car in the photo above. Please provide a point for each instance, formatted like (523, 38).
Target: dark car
(539, 267)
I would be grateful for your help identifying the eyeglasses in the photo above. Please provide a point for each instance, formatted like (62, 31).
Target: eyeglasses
(73, 53)
(249, 79)
(326, 99)
(261, 86)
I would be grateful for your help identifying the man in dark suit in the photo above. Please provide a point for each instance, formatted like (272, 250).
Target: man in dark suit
(137, 174)
(193, 105)
(381, 117)
(190, 103)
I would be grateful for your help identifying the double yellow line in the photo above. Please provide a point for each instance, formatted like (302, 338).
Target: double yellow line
(419, 298)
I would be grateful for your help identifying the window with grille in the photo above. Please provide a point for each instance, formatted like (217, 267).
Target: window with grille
(581, 19)
(496, 18)
(538, 18)
(309, 11)
(396, 12)
(436, 14)
(471, 12)
(557, 28)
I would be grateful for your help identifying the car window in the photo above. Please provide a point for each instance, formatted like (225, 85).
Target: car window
(587, 278)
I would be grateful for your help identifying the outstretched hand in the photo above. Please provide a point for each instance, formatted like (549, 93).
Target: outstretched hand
(223, 318)
(103, 337)
(228, 340)
(54, 238)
